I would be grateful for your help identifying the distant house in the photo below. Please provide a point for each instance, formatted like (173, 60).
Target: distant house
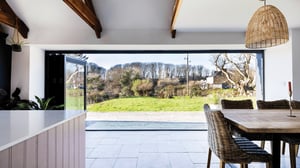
(218, 81)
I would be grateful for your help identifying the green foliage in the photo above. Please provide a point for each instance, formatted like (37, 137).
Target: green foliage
(142, 87)
(126, 82)
(43, 103)
(40, 104)
(177, 103)
(135, 86)
(197, 90)
(181, 104)
(75, 99)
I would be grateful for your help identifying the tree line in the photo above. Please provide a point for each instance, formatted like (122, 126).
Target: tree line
(168, 80)
(153, 70)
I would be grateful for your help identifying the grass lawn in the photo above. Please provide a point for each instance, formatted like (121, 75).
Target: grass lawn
(73, 99)
(152, 104)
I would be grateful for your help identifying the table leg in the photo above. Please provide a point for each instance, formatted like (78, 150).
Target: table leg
(276, 151)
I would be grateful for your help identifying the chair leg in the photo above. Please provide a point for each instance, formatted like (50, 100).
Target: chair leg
(297, 149)
(283, 148)
(262, 144)
(243, 165)
(269, 165)
(271, 144)
(222, 164)
(208, 158)
(292, 155)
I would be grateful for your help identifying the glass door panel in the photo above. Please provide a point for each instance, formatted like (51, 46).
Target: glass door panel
(75, 86)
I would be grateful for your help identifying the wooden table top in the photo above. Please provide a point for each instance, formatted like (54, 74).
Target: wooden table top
(264, 121)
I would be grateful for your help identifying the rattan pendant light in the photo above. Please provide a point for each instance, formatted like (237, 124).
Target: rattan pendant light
(267, 27)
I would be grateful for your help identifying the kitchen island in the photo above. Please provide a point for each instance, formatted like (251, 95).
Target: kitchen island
(42, 139)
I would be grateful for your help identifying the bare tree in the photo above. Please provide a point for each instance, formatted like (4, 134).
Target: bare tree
(153, 66)
(169, 70)
(200, 70)
(180, 71)
(237, 70)
(160, 70)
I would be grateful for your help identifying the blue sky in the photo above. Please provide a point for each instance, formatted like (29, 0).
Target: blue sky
(109, 60)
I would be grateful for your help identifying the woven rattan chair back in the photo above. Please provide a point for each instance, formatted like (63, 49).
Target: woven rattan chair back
(220, 139)
(237, 104)
(295, 104)
(275, 104)
(226, 147)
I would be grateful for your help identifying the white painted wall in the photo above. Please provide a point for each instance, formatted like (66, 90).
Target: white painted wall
(281, 66)
(278, 71)
(37, 73)
(295, 63)
(20, 72)
(28, 72)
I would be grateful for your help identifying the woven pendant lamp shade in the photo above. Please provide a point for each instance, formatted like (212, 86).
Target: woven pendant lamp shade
(267, 28)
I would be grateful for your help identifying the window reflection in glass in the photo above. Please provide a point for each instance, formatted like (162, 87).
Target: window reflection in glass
(74, 86)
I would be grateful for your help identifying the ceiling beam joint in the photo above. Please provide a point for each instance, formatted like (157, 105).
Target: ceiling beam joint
(174, 17)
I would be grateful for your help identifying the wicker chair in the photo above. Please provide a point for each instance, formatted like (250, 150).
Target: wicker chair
(237, 104)
(295, 104)
(229, 149)
(292, 140)
(275, 104)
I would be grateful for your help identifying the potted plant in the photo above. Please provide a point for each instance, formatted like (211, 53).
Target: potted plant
(16, 41)
(40, 104)
(16, 103)
(16, 47)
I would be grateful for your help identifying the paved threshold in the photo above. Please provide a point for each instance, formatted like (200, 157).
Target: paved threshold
(144, 125)
(150, 121)
(197, 116)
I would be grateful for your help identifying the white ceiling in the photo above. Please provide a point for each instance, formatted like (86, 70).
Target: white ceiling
(44, 16)
(229, 15)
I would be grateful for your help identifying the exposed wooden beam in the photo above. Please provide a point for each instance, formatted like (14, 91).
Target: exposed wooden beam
(85, 9)
(8, 17)
(173, 33)
(89, 3)
(174, 17)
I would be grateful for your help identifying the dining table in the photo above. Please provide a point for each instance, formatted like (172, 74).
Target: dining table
(270, 124)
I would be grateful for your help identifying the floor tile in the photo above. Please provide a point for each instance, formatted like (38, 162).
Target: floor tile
(194, 146)
(149, 148)
(168, 147)
(156, 149)
(105, 151)
(129, 151)
(153, 160)
(103, 163)
(180, 160)
(126, 163)
(107, 141)
(89, 162)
